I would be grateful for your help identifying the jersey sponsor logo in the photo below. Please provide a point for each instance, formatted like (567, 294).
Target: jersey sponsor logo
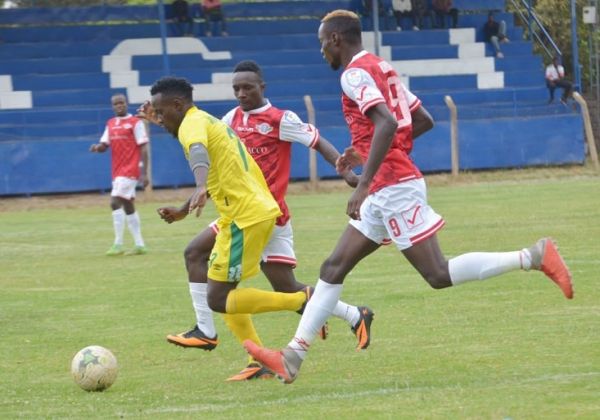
(127, 126)
(255, 151)
(264, 128)
(354, 77)
(243, 129)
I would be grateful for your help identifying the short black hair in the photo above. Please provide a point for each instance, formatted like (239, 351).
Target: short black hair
(248, 65)
(173, 86)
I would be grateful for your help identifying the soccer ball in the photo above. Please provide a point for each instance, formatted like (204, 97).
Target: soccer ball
(94, 368)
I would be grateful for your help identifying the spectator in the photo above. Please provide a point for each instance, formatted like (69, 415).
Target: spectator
(494, 33)
(443, 8)
(404, 9)
(368, 11)
(184, 24)
(421, 10)
(213, 12)
(555, 77)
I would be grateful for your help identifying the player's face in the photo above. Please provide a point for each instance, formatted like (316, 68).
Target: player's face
(328, 48)
(169, 112)
(248, 89)
(119, 105)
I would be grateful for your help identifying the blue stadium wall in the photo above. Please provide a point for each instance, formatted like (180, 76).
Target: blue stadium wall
(37, 167)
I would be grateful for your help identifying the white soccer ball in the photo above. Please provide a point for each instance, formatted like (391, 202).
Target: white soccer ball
(94, 368)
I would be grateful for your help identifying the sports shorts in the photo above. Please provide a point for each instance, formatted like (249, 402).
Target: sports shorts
(124, 187)
(237, 252)
(279, 249)
(398, 213)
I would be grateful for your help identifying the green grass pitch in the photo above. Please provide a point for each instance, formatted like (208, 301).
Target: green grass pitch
(510, 347)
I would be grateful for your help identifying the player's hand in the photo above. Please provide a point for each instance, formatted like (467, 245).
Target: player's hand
(171, 214)
(94, 148)
(146, 112)
(347, 160)
(144, 181)
(198, 200)
(356, 200)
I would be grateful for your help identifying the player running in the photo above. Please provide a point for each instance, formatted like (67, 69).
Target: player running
(390, 199)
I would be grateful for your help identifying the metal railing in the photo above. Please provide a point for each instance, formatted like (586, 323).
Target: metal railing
(536, 28)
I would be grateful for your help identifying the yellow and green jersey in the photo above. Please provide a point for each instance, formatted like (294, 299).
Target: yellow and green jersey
(235, 182)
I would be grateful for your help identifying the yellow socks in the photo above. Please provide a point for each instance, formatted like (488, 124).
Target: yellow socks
(255, 301)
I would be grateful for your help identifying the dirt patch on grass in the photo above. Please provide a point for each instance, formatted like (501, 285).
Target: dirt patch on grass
(178, 196)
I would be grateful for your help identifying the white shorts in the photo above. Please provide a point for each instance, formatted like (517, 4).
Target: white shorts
(124, 187)
(280, 248)
(400, 214)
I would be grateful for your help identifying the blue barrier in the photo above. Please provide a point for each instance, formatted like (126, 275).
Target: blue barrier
(26, 169)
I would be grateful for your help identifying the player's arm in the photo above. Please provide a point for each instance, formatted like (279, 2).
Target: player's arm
(331, 155)
(422, 121)
(102, 146)
(385, 128)
(144, 161)
(199, 164)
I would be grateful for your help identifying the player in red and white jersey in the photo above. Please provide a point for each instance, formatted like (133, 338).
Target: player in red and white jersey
(126, 136)
(390, 200)
(268, 133)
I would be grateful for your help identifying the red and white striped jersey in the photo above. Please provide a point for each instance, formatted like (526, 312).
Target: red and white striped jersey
(268, 133)
(125, 135)
(367, 81)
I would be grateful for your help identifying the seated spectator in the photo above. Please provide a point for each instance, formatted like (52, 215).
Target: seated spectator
(213, 12)
(442, 9)
(367, 6)
(495, 33)
(404, 9)
(184, 23)
(555, 77)
(421, 10)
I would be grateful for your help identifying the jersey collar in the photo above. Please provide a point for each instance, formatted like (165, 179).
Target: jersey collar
(358, 55)
(258, 110)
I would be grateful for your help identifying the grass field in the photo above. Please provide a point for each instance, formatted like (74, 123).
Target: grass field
(510, 347)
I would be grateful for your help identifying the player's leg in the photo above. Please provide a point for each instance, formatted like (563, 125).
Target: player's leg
(197, 253)
(118, 217)
(132, 217)
(416, 224)
(352, 247)
(236, 256)
(279, 261)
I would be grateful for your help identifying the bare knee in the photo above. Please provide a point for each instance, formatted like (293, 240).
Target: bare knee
(438, 279)
(194, 255)
(217, 302)
(334, 270)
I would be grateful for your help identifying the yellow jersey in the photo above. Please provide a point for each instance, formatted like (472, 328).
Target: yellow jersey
(235, 182)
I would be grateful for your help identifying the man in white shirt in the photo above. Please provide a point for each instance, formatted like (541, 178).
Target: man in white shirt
(555, 77)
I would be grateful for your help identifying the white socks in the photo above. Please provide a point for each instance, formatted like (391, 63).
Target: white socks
(134, 225)
(320, 307)
(348, 313)
(204, 315)
(483, 265)
(118, 217)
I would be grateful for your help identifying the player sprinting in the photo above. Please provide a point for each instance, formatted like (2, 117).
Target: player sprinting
(223, 168)
(126, 136)
(390, 199)
(268, 134)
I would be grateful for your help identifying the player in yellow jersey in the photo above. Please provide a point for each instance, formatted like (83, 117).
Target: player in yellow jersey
(224, 170)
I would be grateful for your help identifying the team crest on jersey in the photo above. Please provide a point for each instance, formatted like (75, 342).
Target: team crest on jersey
(127, 126)
(264, 128)
(354, 77)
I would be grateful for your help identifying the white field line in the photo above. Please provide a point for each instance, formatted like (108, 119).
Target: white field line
(218, 408)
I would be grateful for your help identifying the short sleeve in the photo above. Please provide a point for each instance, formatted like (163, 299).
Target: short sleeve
(359, 86)
(105, 137)
(228, 118)
(413, 101)
(293, 129)
(139, 131)
(192, 131)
